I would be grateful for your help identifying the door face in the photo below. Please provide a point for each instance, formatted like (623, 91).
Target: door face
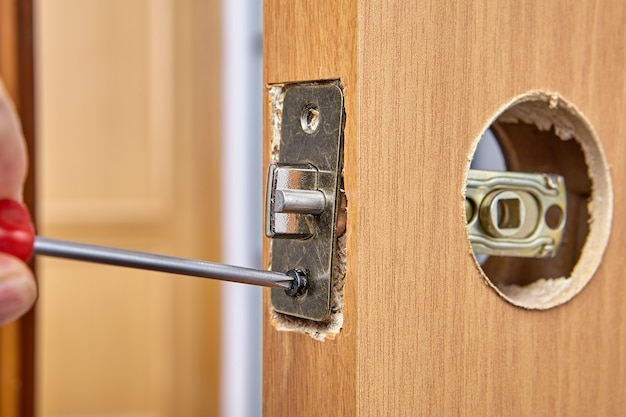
(128, 159)
(423, 333)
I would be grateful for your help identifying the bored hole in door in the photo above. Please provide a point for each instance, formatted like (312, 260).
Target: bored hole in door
(542, 133)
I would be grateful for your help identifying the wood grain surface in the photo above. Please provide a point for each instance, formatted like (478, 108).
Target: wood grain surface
(312, 41)
(423, 333)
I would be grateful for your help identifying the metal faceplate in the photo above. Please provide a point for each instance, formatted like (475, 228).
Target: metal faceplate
(303, 226)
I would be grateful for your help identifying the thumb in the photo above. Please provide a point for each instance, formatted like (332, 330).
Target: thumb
(18, 290)
(12, 149)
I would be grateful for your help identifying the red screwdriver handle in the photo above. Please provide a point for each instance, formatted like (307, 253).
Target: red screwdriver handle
(17, 232)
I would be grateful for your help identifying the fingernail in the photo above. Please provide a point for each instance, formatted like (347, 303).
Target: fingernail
(17, 295)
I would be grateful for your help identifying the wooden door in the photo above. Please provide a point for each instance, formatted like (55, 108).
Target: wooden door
(422, 333)
(128, 144)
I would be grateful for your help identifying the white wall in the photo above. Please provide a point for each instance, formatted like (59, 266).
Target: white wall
(242, 195)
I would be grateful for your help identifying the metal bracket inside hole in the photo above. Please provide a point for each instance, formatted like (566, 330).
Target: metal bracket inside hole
(302, 195)
(515, 213)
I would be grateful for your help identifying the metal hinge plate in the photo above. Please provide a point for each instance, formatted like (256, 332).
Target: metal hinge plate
(302, 194)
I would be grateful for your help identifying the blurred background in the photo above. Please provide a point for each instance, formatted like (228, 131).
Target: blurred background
(149, 121)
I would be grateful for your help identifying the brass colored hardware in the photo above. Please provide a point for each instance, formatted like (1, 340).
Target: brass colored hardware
(515, 213)
(302, 196)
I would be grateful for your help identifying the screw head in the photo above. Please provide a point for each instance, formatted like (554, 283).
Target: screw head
(299, 284)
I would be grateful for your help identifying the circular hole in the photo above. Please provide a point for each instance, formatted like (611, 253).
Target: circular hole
(542, 133)
(554, 217)
(310, 118)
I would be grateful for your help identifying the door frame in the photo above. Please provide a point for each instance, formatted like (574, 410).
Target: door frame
(17, 340)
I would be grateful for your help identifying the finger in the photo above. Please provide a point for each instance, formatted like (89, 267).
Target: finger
(18, 290)
(12, 149)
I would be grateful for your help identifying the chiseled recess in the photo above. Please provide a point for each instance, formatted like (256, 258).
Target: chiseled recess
(282, 322)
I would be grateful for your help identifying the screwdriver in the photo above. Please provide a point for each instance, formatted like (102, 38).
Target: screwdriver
(17, 237)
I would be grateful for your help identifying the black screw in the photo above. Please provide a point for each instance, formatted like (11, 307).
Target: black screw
(299, 284)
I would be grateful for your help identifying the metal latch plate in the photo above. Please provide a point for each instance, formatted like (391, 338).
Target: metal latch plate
(515, 213)
(311, 137)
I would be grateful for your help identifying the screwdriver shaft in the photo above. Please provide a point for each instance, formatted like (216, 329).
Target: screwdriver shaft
(162, 263)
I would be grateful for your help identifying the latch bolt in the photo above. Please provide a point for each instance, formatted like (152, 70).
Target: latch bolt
(292, 201)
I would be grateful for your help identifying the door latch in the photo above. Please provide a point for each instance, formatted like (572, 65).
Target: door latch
(303, 195)
(294, 201)
(515, 213)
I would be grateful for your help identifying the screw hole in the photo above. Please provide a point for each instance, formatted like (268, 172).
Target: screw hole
(310, 118)
(299, 284)
(554, 217)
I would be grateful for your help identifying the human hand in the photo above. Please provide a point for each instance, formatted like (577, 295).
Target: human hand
(18, 289)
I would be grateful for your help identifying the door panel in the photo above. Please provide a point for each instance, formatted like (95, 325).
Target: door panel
(423, 333)
(326, 371)
(129, 145)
